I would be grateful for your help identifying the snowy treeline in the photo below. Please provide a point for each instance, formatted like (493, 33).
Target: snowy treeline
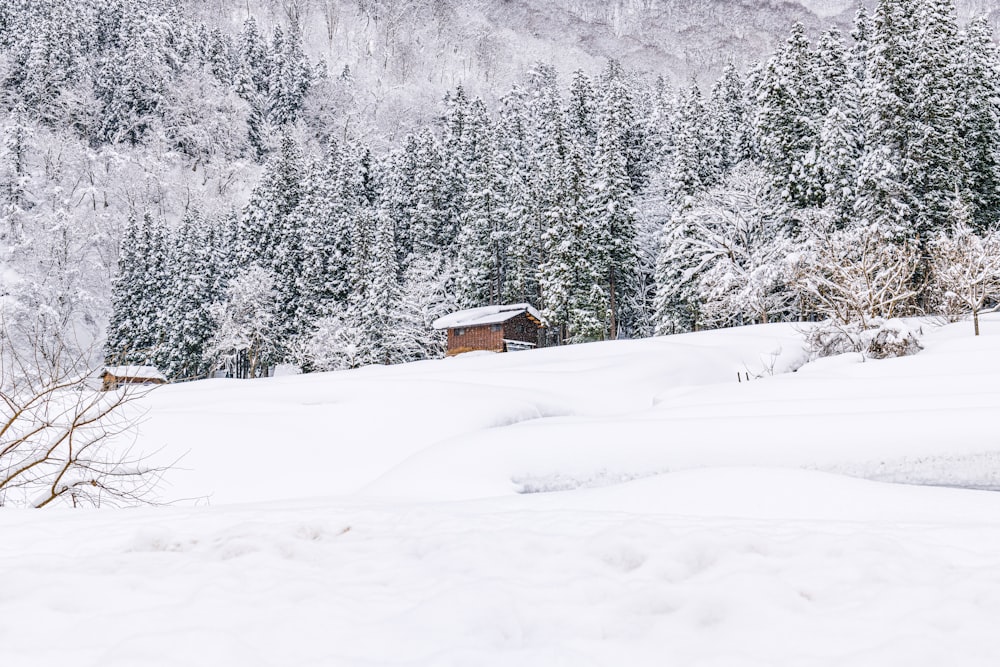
(826, 182)
(861, 160)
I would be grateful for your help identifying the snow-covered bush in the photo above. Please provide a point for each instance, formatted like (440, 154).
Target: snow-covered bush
(334, 343)
(724, 257)
(965, 267)
(877, 339)
(858, 281)
(244, 341)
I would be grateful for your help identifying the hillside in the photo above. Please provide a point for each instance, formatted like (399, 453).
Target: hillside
(578, 416)
(606, 503)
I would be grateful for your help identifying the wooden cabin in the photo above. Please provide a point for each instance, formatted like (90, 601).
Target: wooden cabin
(493, 329)
(114, 377)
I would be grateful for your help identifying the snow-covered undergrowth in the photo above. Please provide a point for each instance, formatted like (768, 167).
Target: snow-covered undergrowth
(625, 503)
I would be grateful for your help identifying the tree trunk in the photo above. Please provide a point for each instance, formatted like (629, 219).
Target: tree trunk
(975, 319)
(613, 306)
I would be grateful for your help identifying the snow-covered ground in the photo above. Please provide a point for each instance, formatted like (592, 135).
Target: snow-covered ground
(626, 503)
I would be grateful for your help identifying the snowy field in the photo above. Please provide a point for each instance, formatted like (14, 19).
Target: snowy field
(612, 504)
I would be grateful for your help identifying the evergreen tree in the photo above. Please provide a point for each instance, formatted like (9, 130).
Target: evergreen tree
(832, 70)
(254, 85)
(379, 314)
(935, 144)
(885, 186)
(573, 273)
(882, 196)
(187, 323)
(321, 223)
(398, 196)
(692, 169)
(727, 115)
(516, 226)
(125, 342)
(430, 224)
(546, 144)
(290, 77)
(788, 121)
(579, 114)
(139, 294)
(478, 261)
(979, 117)
(263, 226)
(861, 37)
(611, 207)
(131, 80)
(838, 161)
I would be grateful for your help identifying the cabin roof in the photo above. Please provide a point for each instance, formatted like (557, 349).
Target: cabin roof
(474, 317)
(145, 372)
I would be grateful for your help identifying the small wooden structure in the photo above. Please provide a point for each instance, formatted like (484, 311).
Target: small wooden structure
(114, 377)
(494, 329)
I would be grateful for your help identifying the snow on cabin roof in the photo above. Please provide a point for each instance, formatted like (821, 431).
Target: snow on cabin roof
(145, 372)
(474, 317)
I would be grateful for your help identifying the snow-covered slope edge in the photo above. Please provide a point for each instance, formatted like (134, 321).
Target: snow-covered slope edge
(922, 419)
(334, 433)
(727, 562)
(589, 416)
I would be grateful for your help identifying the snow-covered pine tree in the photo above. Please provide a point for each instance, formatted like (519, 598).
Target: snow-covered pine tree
(543, 163)
(136, 332)
(19, 142)
(380, 310)
(131, 80)
(787, 124)
(186, 320)
(321, 223)
(430, 222)
(290, 77)
(222, 57)
(979, 115)
(861, 42)
(478, 261)
(838, 159)
(580, 109)
(677, 304)
(886, 172)
(455, 146)
(692, 165)
(882, 195)
(514, 204)
(269, 234)
(832, 70)
(611, 204)
(660, 126)
(727, 115)
(935, 146)
(254, 85)
(124, 343)
(572, 275)
(271, 202)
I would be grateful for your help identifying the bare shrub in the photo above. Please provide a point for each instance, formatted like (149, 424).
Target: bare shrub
(63, 440)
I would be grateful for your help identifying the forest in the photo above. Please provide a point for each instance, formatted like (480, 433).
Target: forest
(182, 195)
